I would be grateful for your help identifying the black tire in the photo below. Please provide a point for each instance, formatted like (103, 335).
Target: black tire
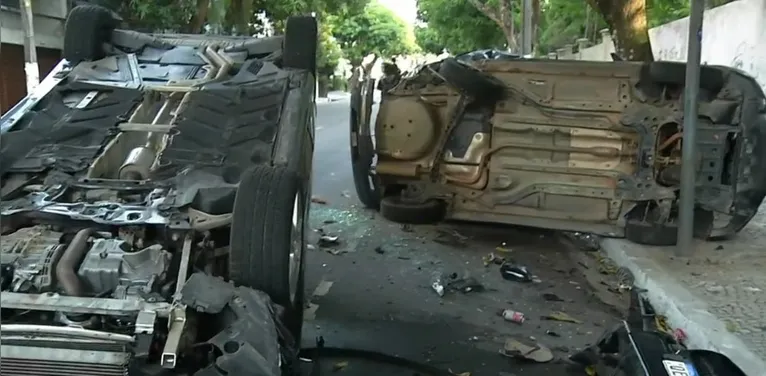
(362, 151)
(88, 27)
(261, 237)
(470, 81)
(301, 42)
(430, 211)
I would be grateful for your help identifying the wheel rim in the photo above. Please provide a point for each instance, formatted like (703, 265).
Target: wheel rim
(296, 249)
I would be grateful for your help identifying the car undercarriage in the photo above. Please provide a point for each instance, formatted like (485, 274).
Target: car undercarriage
(155, 190)
(566, 145)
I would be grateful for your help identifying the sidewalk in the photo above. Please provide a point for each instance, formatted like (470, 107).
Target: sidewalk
(718, 297)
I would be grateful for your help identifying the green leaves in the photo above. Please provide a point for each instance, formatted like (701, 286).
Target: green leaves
(457, 26)
(376, 30)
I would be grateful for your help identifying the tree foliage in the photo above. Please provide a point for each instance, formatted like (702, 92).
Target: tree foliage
(556, 22)
(455, 25)
(376, 30)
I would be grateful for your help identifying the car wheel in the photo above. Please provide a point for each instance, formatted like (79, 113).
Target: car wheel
(470, 80)
(87, 29)
(300, 45)
(395, 209)
(267, 241)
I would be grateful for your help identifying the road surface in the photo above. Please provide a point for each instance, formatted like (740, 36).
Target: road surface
(372, 291)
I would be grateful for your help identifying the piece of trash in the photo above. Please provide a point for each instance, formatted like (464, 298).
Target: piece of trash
(563, 317)
(328, 241)
(493, 259)
(551, 297)
(590, 370)
(462, 374)
(345, 194)
(552, 333)
(680, 336)
(503, 249)
(329, 221)
(465, 285)
(583, 240)
(379, 250)
(516, 349)
(718, 248)
(406, 227)
(335, 252)
(339, 366)
(512, 316)
(318, 200)
(515, 273)
(310, 247)
(436, 283)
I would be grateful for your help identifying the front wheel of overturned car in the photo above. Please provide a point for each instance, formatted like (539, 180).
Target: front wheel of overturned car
(395, 209)
(267, 241)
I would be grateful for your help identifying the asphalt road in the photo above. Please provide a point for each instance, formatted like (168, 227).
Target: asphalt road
(372, 291)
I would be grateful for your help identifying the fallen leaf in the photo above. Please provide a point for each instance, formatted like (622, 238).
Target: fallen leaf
(590, 371)
(563, 317)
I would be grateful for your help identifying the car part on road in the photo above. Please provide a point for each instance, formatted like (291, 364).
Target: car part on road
(143, 160)
(637, 347)
(591, 147)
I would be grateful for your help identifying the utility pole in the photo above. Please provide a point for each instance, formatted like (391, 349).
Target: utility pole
(30, 50)
(527, 27)
(689, 150)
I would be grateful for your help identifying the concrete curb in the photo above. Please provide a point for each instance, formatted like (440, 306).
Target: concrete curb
(682, 309)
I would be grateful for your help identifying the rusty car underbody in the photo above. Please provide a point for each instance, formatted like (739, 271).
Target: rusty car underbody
(567, 145)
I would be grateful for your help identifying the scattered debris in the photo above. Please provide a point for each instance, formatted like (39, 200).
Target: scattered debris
(346, 194)
(328, 241)
(450, 237)
(436, 283)
(493, 259)
(515, 273)
(512, 316)
(340, 366)
(552, 333)
(466, 285)
(318, 200)
(503, 249)
(680, 336)
(563, 317)
(406, 227)
(310, 247)
(440, 283)
(551, 297)
(584, 241)
(379, 250)
(516, 349)
(719, 247)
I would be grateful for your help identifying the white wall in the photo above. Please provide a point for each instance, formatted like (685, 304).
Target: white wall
(732, 35)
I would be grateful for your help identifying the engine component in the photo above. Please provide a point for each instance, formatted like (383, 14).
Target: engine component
(110, 266)
(50, 350)
(66, 269)
(28, 257)
(138, 164)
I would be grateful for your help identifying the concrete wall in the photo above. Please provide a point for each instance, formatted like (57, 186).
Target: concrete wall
(49, 17)
(733, 35)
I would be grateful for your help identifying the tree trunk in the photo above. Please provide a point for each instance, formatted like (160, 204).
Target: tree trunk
(627, 18)
(200, 17)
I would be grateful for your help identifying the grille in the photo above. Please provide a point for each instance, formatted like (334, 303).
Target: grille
(45, 361)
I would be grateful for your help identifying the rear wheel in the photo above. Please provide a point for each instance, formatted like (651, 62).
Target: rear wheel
(88, 27)
(268, 232)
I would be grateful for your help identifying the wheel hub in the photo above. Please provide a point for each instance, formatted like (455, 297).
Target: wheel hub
(296, 248)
